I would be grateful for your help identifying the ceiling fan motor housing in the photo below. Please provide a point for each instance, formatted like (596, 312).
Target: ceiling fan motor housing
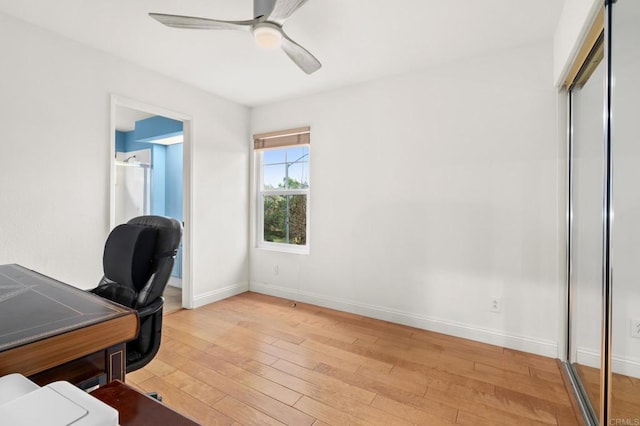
(262, 7)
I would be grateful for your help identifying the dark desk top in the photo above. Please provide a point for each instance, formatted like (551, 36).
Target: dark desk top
(135, 408)
(35, 307)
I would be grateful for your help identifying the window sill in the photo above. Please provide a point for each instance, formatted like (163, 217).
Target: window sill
(284, 248)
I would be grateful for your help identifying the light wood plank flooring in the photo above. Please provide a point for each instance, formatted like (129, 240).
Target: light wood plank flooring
(257, 360)
(625, 391)
(172, 299)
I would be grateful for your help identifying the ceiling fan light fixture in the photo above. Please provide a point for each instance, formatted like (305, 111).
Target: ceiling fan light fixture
(266, 28)
(267, 36)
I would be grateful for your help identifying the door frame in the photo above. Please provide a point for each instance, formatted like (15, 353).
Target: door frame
(187, 179)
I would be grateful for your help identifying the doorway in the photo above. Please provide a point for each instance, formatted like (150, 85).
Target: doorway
(150, 176)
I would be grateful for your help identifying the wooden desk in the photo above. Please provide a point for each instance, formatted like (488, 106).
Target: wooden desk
(45, 323)
(137, 409)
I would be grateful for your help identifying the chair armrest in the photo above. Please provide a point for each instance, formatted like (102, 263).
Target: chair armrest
(116, 293)
(151, 309)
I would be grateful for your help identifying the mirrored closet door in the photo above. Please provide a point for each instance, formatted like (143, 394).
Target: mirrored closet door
(603, 360)
(586, 237)
(624, 399)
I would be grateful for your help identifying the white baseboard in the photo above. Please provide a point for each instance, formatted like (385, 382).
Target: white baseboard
(619, 365)
(494, 337)
(219, 294)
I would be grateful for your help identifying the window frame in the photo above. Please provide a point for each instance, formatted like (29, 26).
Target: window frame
(261, 193)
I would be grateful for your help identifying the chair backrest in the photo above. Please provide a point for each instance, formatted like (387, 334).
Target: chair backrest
(169, 235)
(138, 259)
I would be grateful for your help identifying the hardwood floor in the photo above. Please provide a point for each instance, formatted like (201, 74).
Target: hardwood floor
(257, 360)
(172, 299)
(625, 391)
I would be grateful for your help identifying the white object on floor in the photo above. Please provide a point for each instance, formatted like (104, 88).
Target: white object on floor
(13, 386)
(22, 402)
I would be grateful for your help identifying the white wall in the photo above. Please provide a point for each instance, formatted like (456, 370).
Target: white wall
(54, 179)
(574, 23)
(432, 192)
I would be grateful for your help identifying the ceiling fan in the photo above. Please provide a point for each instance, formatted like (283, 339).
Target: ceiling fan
(266, 26)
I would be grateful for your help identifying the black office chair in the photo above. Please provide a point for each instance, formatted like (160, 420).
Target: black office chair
(137, 262)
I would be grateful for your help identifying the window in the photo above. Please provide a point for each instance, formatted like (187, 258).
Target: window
(282, 164)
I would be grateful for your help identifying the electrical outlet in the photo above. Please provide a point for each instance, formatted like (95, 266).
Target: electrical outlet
(635, 328)
(276, 270)
(495, 304)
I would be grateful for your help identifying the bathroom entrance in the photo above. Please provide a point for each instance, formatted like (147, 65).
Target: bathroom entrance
(149, 177)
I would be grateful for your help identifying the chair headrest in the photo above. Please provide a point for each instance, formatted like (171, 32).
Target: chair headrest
(169, 233)
(129, 255)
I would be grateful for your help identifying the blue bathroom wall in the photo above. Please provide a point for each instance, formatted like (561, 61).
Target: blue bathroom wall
(173, 190)
(173, 194)
(154, 128)
(121, 141)
(158, 179)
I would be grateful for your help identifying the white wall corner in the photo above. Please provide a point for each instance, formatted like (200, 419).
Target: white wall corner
(219, 294)
(493, 337)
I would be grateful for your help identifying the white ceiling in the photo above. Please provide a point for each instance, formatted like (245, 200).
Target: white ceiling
(356, 40)
(126, 118)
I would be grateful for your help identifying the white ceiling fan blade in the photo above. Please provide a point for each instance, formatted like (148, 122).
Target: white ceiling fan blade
(301, 56)
(190, 22)
(282, 9)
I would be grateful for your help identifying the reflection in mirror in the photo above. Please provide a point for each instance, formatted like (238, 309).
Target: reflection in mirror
(625, 251)
(586, 232)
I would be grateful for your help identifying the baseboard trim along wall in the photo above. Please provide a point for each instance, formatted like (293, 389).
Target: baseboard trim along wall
(619, 365)
(523, 343)
(219, 294)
